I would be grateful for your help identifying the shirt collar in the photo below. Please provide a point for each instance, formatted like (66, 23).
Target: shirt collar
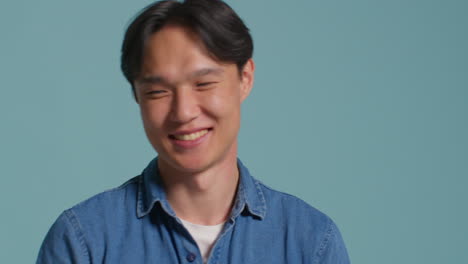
(249, 195)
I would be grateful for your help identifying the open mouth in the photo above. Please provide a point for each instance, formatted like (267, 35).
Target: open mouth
(192, 136)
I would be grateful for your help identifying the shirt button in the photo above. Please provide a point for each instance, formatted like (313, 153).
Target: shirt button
(191, 257)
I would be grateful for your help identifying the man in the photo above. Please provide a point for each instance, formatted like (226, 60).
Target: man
(190, 67)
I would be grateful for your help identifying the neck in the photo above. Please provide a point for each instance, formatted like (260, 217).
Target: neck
(204, 197)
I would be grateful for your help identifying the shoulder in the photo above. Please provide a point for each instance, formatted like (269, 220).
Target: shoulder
(312, 229)
(115, 197)
(278, 201)
(104, 211)
(83, 227)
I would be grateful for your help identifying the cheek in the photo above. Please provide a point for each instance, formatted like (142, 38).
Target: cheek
(223, 102)
(152, 116)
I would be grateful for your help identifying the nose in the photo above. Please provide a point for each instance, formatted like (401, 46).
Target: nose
(185, 106)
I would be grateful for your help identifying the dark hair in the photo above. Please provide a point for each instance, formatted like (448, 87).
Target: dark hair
(219, 28)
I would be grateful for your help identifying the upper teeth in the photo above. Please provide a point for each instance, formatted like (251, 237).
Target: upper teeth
(192, 136)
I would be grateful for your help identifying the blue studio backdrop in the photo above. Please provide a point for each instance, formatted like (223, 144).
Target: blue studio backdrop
(359, 108)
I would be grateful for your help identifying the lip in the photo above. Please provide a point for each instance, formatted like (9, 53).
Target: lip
(189, 144)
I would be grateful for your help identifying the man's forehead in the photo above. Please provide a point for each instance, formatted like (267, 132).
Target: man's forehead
(174, 52)
(173, 38)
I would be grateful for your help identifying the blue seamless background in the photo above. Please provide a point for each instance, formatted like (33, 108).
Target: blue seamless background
(359, 108)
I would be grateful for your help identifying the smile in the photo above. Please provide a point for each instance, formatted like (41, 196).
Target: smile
(192, 136)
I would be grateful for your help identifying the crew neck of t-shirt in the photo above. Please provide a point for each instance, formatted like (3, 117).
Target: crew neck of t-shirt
(204, 235)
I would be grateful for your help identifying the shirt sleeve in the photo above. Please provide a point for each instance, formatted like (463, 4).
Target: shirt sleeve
(64, 243)
(334, 250)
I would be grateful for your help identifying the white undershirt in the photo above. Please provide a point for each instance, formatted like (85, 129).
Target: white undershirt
(204, 235)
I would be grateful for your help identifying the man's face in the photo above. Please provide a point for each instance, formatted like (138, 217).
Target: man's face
(189, 102)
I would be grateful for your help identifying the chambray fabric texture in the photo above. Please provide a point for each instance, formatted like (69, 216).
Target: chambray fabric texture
(134, 223)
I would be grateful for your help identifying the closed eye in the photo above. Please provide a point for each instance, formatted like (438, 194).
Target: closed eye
(156, 92)
(204, 84)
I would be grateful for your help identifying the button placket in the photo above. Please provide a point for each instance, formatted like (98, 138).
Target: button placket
(187, 241)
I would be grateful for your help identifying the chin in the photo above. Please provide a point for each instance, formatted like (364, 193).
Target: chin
(186, 164)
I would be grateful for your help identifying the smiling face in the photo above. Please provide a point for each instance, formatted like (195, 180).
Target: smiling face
(189, 102)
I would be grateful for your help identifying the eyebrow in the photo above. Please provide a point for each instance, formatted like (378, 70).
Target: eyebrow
(151, 80)
(156, 79)
(207, 71)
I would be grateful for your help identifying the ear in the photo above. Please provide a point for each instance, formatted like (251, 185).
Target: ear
(247, 79)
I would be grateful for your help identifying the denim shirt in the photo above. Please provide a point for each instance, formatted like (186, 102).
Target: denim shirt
(135, 223)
